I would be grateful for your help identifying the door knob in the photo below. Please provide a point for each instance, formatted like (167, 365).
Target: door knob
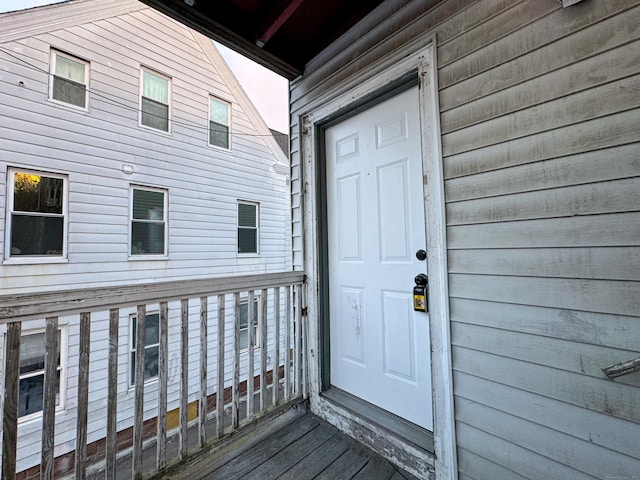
(421, 255)
(421, 280)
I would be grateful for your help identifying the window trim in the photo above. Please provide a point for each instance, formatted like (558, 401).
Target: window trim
(228, 125)
(35, 259)
(132, 349)
(64, 355)
(169, 100)
(149, 256)
(52, 69)
(257, 228)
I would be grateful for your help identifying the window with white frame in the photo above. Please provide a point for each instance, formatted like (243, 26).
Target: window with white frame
(219, 114)
(148, 221)
(37, 214)
(69, 79)
(31, 375)
(151, 346)
(244, 323)
(155, 97)
(248, 225)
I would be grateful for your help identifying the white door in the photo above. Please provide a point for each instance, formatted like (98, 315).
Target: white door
(380, 349)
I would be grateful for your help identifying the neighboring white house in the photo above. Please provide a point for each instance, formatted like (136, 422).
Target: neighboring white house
(129, 154)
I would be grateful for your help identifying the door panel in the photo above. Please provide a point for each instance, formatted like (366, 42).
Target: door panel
(375, 223)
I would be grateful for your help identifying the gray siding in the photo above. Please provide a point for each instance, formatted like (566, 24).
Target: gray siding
(541, 148)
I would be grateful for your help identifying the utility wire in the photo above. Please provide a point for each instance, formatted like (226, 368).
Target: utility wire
(111, 99)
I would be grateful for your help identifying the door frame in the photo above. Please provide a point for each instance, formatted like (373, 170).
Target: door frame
(375, 84)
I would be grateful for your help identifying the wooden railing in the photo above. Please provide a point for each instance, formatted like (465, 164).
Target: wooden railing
(232, 387)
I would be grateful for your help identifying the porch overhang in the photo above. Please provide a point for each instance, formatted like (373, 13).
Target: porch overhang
(282, 35)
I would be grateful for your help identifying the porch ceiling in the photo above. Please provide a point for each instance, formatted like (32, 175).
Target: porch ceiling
(282, 35)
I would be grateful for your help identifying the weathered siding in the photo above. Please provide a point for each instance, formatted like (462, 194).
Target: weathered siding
(203, 182)
(539, 109)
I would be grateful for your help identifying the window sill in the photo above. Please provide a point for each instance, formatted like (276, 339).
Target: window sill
(34, 261)
(218, 148)
(164, 133)
(69, 106)
(36, 418)
(248, 255)
(138, 258)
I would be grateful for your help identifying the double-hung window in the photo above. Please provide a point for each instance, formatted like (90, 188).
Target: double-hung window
(248, 223)
(37, 211)
(244, 323)
(155, 97)
(69, 79)
(148, 221)
(219, 114)
(31, 375)
(151, 346)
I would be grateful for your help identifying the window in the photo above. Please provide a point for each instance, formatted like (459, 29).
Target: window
(151, 346)
(69, 79)
(244, 323)
(154, 100)
(247, 227)
(148, 221)
(218, 123)
(31, 392)
(37, 207)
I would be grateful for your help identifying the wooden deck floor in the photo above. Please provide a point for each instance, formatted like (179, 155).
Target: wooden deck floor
(304, 449)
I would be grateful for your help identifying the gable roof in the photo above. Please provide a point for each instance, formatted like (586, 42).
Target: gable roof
(22, 24)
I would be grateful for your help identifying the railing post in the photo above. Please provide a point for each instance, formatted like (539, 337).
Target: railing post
(221, 368)
(275, 377)
(250, 354)
(163, 373)
(49, 398)
(184, 378)
(263, 349)
(202, 410)
(112, 400)
(83, 396)
(138, 421)
(297, 341)
(235, 416)
(287, 343)
(11, 389)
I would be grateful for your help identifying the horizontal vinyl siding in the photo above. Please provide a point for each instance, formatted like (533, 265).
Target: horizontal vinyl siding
(203, 183)
(542, 167)
(539, 111)
(91, 147)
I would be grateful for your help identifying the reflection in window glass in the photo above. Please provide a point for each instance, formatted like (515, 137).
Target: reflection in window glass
(31, 389)
(151, 348)
(37, 214)
(218, 123)
(148, 224)
(69, 80)
(154, 101)
(247, 227)
(244, 323)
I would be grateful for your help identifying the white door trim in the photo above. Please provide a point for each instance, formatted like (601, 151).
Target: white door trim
(393, 69)
(441, 365)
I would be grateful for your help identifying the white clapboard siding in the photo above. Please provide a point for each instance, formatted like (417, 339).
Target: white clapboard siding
(204, 184)
(539, 109)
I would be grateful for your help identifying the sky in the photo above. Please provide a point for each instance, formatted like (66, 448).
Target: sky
(268, 91)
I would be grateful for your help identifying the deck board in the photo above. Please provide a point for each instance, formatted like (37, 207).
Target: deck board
(307, 448)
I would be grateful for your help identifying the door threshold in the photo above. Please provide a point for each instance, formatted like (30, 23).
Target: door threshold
(407, 431)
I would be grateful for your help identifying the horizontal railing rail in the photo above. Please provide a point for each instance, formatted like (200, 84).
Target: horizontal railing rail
(224, 351)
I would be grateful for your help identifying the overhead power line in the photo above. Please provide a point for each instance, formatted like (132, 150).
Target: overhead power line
(120, 101)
